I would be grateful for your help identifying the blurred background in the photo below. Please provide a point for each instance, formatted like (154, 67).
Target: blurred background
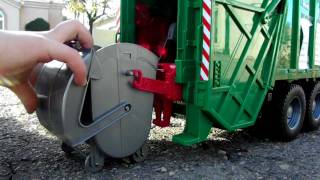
(100, 16)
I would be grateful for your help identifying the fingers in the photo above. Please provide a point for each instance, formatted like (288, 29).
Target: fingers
(27, 96)
(34, 74)
(65, 32)
(72, 30)
(71, 57)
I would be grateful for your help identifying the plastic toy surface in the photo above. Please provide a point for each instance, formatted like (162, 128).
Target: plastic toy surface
(115, 126)
(228, 64)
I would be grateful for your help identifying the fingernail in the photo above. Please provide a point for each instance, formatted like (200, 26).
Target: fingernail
(85, 82)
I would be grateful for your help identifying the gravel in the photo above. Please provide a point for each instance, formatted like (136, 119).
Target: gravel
(28, 151)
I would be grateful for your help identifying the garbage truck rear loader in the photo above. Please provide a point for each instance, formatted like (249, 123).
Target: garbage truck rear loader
(229, 64)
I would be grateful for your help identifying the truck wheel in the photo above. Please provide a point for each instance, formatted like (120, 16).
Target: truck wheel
(68, 150)
(290, 107)
(312, 119)
(92, 166)
(140, 155)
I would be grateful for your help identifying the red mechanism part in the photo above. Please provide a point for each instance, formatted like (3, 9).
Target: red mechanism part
(165, 88)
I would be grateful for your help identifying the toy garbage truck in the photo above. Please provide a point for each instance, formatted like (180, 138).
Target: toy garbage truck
(229, 64)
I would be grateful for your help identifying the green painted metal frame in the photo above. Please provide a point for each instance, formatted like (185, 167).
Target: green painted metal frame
(294, 73)
(213, 104)
(313, 30)
(127, 21)
(296, 30)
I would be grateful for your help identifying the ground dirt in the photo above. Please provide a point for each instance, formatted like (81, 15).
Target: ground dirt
(28, 151)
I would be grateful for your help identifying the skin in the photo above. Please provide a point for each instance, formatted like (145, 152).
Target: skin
(22, 53)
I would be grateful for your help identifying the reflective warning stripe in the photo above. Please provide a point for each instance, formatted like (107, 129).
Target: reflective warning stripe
(206, 20)
(118, 20)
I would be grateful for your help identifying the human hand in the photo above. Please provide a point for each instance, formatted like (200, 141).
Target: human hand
(21, 53)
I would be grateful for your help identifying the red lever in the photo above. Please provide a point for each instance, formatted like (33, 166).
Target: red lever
(165, 88)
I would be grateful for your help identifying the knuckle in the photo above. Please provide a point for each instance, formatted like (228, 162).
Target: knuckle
(75, 23)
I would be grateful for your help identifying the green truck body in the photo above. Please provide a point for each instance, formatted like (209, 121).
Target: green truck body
(263, 53)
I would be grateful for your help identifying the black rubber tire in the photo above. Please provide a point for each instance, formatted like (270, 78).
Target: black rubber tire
(91, 166)
(312, 94)
(68, 150)
(262, 128)
(140, 155)
(284, 96)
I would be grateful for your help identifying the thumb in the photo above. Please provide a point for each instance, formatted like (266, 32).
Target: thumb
(27, 95)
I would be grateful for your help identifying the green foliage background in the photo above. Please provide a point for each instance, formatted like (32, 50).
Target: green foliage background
(38, 24)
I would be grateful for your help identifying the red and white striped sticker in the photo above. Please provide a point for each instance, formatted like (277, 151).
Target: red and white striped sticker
(118, 19)
(206, 20)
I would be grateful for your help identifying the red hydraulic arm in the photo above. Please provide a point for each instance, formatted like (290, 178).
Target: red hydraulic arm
(165, 88)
